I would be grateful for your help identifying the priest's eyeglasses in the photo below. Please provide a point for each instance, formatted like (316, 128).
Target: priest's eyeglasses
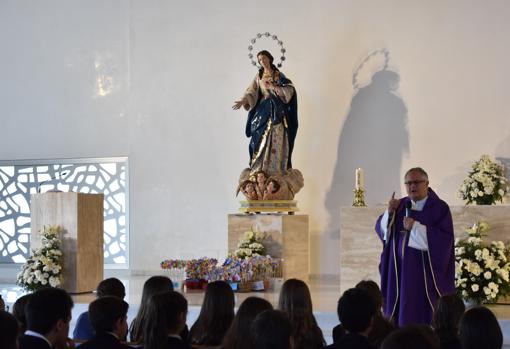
(409, 183)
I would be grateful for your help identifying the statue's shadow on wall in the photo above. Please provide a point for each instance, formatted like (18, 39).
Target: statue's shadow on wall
(375, 138)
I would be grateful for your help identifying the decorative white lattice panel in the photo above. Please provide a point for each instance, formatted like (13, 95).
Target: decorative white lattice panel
(18, 181)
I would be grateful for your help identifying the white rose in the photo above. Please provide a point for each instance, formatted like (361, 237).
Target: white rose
(475, 287)
(44, 282)
(504, 274)
(54, 282)
(487, 275)
(486, 290)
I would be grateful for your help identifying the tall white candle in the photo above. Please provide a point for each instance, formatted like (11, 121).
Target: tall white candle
(359, 179)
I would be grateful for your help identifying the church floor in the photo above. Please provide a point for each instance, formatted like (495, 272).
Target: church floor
(325, 295)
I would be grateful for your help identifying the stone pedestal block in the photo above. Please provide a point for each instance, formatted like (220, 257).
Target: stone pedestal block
(287, 239)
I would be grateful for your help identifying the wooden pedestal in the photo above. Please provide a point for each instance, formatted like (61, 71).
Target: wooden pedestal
(80, 217)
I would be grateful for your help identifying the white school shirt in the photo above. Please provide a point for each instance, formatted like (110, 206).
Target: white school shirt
(38, 335)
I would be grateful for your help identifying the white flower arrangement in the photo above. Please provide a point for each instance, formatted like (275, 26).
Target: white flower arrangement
(44, 267)
(485, 184)
(251, 245)
(481, 270)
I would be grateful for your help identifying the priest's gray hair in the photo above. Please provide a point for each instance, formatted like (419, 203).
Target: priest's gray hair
(419, 170)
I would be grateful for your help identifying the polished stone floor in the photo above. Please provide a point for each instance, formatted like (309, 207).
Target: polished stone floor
(324, 296)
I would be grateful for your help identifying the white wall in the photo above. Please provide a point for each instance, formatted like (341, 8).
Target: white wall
(155, 81)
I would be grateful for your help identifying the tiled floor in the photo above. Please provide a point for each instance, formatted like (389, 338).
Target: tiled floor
(324, 296)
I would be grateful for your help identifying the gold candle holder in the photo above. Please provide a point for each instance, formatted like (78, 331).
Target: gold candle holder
(359, 198)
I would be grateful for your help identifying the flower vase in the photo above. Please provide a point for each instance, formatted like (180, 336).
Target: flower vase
(485, 200)
(195, 284)
(257, 285)
(267, 284)
(203, 284)
(244, 286)
(233, 285)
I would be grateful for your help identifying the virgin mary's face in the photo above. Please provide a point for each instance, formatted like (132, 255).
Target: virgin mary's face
(264, 61)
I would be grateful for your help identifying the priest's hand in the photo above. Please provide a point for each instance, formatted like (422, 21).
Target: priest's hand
(408, 223)
(393, 204)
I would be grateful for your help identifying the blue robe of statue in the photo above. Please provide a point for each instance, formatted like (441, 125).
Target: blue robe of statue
(272, 125)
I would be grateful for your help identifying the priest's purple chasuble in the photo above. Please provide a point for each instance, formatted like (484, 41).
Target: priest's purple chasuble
(412, 280)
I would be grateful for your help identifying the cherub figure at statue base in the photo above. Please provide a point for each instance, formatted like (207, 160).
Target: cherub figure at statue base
(273, 194)
(248, 188)
(261, 178)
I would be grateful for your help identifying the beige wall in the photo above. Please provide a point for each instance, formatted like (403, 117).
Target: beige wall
(155, 81)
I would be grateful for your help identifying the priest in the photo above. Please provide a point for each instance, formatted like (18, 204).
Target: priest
(417, 263)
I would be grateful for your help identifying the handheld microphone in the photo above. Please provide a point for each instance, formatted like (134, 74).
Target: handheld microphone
(51, 179)
(409, 205)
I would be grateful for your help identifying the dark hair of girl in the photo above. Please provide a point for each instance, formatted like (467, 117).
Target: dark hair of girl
(479, 328)
(154, 285)
(18, 310)
(416, 336)
(296, 301)
(271, 60)
(272, 329)
(373, 289)
(215, 316)
(164, 315)
(447, 313)
(9, 330)
(239, 335)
